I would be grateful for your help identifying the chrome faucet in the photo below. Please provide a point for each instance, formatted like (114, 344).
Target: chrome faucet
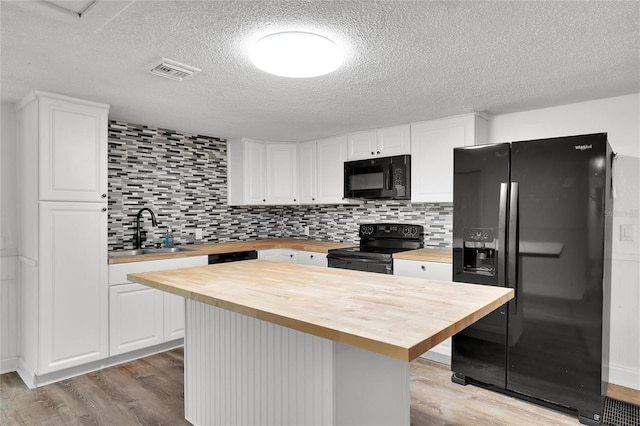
(137, 242)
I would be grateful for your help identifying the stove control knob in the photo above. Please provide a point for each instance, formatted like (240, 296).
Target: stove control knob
(366, 229)
(405, 231)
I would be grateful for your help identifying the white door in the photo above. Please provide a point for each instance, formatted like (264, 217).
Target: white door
(282, 176)
(307, 172)
(73, 151)
(136, 317)
(432, 144)
(362, 145)
(331, 154)
(254, 173)
(394, 140)
(73, 287)
(173, 317)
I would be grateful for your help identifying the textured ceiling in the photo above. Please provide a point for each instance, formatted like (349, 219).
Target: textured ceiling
(405, 60)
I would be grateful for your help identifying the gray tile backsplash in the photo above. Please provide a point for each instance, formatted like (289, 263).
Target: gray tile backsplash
(182, 177)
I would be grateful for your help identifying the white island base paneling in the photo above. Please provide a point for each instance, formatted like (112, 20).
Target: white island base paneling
(240, 371)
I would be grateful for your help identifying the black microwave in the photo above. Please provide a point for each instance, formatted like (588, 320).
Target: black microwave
(378, 178)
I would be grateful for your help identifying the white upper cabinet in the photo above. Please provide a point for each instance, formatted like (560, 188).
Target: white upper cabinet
(321, 171)
(282, 173)
(432, 144)
(362, 145)
(261, 173)
(254, 189)
(246, 172)
(307, 174)
(383, 142)
(73, 149)
(331, 155)
(394, 140)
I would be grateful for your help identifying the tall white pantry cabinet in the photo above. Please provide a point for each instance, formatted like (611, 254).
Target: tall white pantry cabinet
(63, 234)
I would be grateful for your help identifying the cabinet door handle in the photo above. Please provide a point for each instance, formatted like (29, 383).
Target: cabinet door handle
(104, 209)
(104, 195)
(424, 268)
(377, 152)
(311, 256)
(294, 200)
(371, 152)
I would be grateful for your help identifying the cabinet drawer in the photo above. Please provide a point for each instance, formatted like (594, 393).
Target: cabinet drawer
(312, 258)
(428, 270)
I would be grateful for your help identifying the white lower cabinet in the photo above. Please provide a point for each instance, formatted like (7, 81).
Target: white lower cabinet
(278, 255)
(136, 317)
(432, 271)
(294, 256)
(173, 317)
(312, 258)
(141, 316)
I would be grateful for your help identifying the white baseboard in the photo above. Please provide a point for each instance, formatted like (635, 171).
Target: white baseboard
(26, 374)
(34, 381)
(440, 353)
(624, 376)
(443, 357)
(8, 365)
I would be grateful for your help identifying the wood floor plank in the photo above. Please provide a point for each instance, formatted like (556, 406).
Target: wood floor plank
(435, 400)
(622, 393)
(150, 391)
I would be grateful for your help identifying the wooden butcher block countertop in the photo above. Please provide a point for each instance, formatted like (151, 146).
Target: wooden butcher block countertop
(395, 316)
(236, 246)
(426, 255)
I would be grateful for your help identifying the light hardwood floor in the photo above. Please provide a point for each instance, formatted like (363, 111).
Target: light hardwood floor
(150, 391)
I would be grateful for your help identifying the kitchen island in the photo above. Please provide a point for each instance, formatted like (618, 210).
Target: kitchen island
(276, 343)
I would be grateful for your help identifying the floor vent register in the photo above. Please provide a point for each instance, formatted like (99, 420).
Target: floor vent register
(620, 413)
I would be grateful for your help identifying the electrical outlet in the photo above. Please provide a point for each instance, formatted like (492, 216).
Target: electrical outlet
(627, 232)
(198, 234)
(306, 231)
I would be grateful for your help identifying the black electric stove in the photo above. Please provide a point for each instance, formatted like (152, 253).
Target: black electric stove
(378, 243)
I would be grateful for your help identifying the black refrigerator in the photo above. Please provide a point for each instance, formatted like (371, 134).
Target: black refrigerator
(535, 216)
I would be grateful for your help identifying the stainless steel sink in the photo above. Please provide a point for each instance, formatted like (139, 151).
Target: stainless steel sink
(147, 251)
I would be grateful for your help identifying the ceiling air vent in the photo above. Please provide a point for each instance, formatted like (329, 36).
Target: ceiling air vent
(173, 70)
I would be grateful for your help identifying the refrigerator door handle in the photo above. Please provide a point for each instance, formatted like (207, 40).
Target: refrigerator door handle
(512, 248)
(502, 234)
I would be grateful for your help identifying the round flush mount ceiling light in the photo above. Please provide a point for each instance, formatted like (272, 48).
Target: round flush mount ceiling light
(296, 54)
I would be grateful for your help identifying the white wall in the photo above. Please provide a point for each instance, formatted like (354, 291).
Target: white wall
(8, 240)
(620, 118)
